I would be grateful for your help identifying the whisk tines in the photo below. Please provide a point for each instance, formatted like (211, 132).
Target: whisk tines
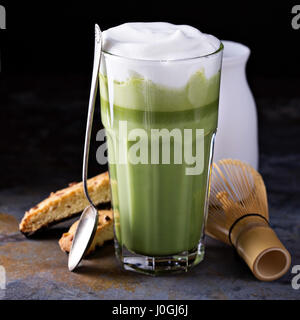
(236, 190)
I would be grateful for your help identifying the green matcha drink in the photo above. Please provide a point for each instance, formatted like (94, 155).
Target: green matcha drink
(159, 195)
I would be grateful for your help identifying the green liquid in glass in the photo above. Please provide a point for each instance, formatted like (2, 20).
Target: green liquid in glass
(159, 210)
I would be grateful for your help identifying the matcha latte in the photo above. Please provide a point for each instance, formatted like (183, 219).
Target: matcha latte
(161, 81)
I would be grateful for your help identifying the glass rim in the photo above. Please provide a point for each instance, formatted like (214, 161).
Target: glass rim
(220, 48)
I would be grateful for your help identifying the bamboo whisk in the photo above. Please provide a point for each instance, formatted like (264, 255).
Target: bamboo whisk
(238, 215)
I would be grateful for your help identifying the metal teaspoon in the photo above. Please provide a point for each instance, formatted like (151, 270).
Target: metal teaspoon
(88, 222)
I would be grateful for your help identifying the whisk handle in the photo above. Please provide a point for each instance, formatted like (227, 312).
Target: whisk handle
(264, 253)
(241, 218)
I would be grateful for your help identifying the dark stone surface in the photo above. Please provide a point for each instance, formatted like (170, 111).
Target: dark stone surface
(42, 130)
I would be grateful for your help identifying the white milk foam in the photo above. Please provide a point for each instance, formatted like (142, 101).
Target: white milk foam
(154, 48)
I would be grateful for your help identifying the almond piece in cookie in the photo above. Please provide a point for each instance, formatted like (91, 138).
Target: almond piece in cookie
(104, 232)
(65, 203)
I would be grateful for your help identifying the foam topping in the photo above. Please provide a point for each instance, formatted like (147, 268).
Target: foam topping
(157, 41)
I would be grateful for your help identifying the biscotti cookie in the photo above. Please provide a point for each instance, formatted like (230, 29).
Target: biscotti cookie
(104, 232)
(65, 203)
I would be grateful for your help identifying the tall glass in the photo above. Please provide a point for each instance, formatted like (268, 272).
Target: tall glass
(160, 119)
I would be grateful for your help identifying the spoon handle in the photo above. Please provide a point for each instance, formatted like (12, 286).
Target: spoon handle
(89, 124)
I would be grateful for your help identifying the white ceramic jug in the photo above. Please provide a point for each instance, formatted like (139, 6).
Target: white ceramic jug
(237, 125)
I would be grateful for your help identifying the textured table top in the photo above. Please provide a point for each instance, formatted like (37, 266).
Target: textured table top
(41, 148)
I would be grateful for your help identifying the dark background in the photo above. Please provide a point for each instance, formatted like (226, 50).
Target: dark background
(46, 57)
(50, 37)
